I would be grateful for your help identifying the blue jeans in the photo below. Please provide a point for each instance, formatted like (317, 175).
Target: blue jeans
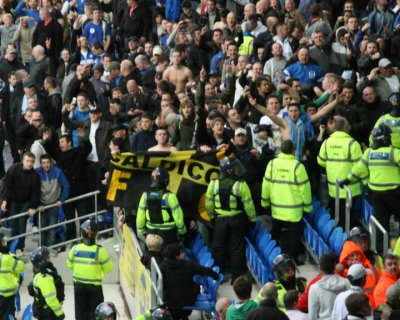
(48, 218)
(18, 226)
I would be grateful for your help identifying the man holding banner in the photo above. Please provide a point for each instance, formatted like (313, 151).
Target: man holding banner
(227, 199)
(159, 211)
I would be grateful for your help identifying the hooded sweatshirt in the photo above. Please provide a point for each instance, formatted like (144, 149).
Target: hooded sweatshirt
(371, 279)
(322, 296)
(239, 311)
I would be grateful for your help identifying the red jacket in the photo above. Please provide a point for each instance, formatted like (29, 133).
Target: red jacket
(302, 304)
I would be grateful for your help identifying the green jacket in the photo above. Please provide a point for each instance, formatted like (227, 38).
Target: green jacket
(286, 188)
(169, 202)
(239, 200)
(89, 263)
(379, 167)
(339, 154)
(394, 124)
(45, 284)
(10, 269)
(239, 311)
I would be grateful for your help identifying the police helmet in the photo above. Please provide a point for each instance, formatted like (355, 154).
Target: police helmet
(161, 314)
(394, 100)
(159, 178)
(281, 263)
(105, 310)
(381, 136)
(358, 234)
(89, 231)
(231, 168)
(40, 258)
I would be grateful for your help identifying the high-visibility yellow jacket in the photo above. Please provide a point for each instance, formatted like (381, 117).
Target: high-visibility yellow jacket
(44, 284)
(10, 269)
(339, 154)
(171, 213)
(380, 167)
(394, 124)
(286, 188)
(89, 263)
(239, 200)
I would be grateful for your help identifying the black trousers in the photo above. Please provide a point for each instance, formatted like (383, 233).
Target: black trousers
(291, 245)
(385, 203)
(7, 307)
(228, 244)
(87, 298)
(81, 207)
(354, 215)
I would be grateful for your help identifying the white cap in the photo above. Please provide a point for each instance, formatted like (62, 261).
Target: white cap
(357, 271)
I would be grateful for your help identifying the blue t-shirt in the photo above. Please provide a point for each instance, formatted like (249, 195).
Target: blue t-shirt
(95, 32)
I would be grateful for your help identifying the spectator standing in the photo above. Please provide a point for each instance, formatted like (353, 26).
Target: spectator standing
(390, 275)
(290, 299)
(358, 306)
(97, 30)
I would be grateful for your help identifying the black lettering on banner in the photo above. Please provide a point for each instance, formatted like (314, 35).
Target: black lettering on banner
(145, 163)
(181, 167)
(168, 165)
(130, 161)
(190, 170)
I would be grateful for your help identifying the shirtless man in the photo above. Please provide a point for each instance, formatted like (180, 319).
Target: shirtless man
(178, 74)
(162, 138)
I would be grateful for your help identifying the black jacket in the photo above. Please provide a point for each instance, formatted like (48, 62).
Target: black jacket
(21, 186)
(138, 24)
(179, 288)
(267, 310)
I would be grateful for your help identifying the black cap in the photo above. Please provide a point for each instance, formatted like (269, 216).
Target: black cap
(120, 126)
(29, 84)
(94, 108)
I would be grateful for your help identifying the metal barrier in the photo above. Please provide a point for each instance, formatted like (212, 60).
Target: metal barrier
(156, 283)
(40, 229)
(373, 223)
(349, 204)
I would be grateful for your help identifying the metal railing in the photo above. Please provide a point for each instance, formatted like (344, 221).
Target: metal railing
(349, 204)
(373, 224)
(40, 229)
(156, 283)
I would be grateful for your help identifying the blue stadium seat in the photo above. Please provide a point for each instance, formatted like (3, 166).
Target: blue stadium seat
(335, 233)
(327, 229)
(264, 242)
(198, 246)
(317, 215)
(322, 221)
(340, 240)
(28, 313)
(200, 253)
(367, 211)
(254, 231)
(260, 234)
(268, 249)
(204, 258)
(195, 238)
(275, 252)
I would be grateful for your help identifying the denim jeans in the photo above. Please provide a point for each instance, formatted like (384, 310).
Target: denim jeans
(18, 226)
(48, 218)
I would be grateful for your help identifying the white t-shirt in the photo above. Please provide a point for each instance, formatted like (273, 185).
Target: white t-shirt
(296, 315)
(393, 83)
(92, 137)
(276, 132)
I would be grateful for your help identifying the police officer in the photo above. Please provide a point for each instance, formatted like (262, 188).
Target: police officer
(89, 262)
(380, 165)
(391, 119)
(46, 287)
(339, 154)
(286, 189)
(159, 211)
(10, 269)
(156, 314)
(285, 271)
(227, 199)
(106, 311)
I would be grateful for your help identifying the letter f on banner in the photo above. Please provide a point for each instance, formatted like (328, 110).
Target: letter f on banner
(116, 183)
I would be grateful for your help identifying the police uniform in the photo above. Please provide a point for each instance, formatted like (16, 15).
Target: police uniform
(159, 212)
(47, 289)
(89, 264)
(287, 190)
(10, 269)
(226, 201)
(339, 154)
(381, 168)
(393, 123)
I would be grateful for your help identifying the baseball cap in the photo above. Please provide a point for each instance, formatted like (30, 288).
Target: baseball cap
(120, 126)
(11, 50)
(94, 108)
(113, 65)
(28, 84)
(357, 271)
(98, 66)
(157, 50)
(134, 39)
(384, 62)
(240, 131)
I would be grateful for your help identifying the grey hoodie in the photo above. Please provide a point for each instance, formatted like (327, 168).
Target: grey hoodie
(322, 296)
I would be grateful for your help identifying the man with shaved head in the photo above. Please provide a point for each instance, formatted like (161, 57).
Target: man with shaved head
(128, 71)
(147, 72)
(268, 308)
(135, 101)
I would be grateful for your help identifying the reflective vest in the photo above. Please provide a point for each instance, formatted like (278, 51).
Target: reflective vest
(89, 263)
(48, 293)
(10, 269)
(381, 167)
(286, 188)
(339, 154)
(228, 198)
(159, 210)
(394, 124)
